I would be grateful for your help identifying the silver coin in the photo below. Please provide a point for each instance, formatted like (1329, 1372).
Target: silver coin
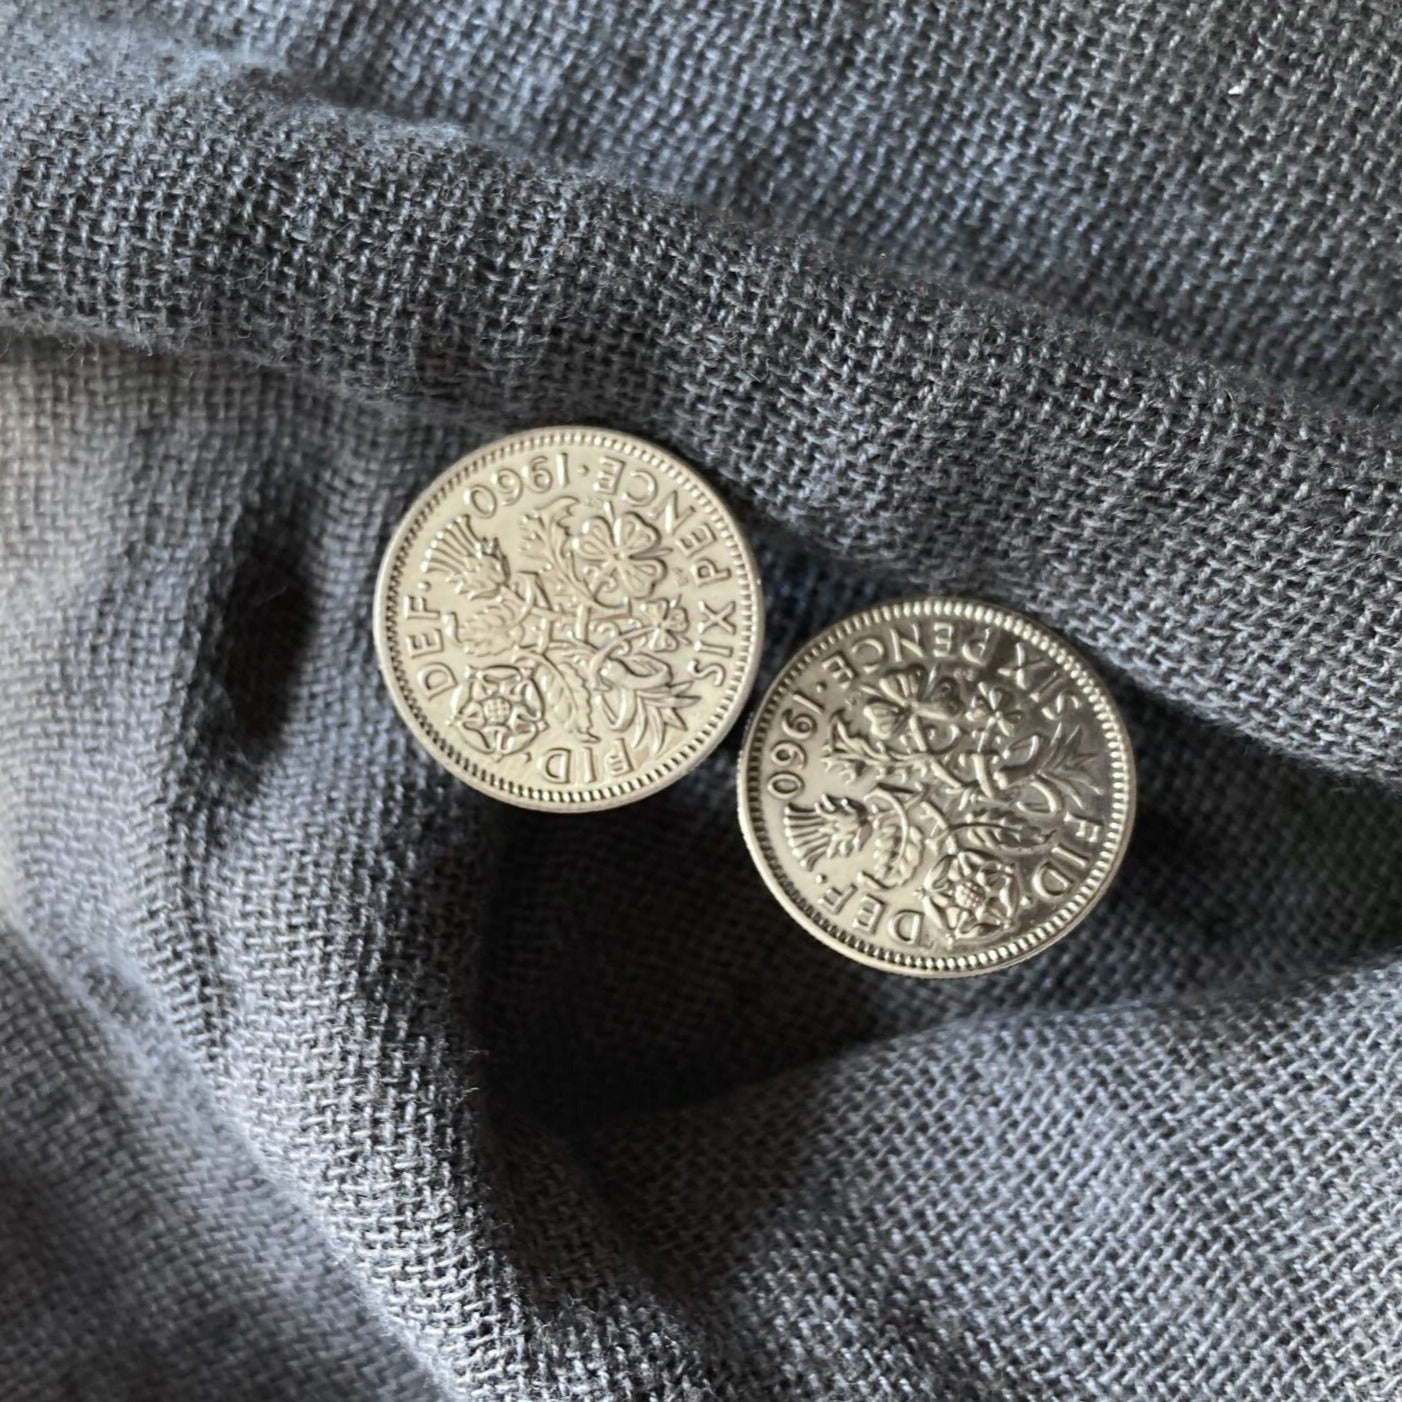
(937, 787)
(569, 619)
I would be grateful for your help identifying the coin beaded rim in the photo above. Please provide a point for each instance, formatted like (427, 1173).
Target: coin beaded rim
(599, 797)
(1012, 951)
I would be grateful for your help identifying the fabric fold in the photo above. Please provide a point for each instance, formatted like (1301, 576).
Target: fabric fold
(1125, 494)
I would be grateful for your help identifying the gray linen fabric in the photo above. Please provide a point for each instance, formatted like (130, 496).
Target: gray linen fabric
(322, 1076)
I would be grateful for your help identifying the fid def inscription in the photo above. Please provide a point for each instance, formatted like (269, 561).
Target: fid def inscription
(569, 619)
(937, 787)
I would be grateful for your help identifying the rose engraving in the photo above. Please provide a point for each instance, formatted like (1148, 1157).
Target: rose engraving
(619, 559)
(973, 893)
(498, 710)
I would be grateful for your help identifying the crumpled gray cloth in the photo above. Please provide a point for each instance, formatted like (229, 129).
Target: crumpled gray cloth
(324, 1077)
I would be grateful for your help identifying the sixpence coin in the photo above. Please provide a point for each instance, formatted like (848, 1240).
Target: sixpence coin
(937, 787)
(569, 619)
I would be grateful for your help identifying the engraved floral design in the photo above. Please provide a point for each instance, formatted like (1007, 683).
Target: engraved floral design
(664, 623)
(499, 710)
(619, 559)
(495, 610)
(957, 781)
(472, 566)
(993, 709)
(581, 615)
(910, 703)
(835, 826)
(973, 893)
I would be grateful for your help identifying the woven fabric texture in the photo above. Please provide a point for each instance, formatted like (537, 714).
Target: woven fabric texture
(324, 1077)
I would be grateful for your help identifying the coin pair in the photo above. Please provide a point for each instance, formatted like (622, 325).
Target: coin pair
(570, 619)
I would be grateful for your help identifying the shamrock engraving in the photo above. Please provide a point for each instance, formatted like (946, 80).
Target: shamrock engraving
(619, 559)
(993, 708)
(662, 625)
